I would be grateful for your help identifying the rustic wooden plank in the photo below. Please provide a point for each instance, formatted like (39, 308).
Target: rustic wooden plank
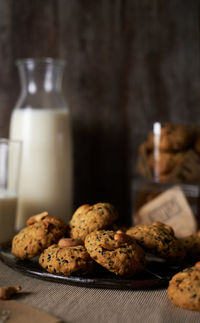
(34, 28)
(6, 60)
(92, 86)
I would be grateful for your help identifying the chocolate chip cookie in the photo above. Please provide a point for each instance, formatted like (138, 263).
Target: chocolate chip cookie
(66, 260)
(88, 218)
(184, 288)
(40, 234)
(116, 252)
(158, 239)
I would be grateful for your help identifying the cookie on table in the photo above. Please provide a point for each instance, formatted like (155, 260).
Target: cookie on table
(41, 232)
(158, 239)
(116, 252)
(66, 260)
(184, 288)
(88, 218)
(191, 245)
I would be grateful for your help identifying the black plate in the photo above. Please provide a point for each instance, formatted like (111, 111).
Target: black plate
(156, 275)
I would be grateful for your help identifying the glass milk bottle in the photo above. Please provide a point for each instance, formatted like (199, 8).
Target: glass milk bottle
(41, 121)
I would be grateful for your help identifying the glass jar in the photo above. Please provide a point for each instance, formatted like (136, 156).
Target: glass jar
(168, 162)
(171, 154)
(41, 120)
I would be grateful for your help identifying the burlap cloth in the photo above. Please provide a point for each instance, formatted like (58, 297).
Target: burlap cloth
(82, 305)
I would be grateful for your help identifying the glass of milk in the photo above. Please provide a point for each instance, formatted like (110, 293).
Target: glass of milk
(10, 161)
(41, 120)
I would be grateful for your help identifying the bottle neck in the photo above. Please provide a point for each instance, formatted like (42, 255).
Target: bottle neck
(40, 76)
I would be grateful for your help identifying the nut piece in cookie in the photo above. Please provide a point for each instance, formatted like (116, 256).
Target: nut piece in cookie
(88, 218)
(115, 251)
(34, 238)
(184, 288)
(69, 242)
(7, 292)
(66, 260)
(37, 218)
(158, 239)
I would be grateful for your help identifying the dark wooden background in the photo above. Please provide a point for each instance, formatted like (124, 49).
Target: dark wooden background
(129, 63)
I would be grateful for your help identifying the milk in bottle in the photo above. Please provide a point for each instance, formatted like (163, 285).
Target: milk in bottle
(46, 169)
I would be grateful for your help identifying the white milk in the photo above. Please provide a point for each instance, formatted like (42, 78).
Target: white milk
(8, 205)
(46, 169)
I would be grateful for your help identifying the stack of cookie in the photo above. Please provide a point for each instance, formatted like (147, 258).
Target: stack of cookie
(173, 156)
(91, 239)
(88, 242)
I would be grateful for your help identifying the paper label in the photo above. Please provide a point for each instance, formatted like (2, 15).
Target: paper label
(172, 208)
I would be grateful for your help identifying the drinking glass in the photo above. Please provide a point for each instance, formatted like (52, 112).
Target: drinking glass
(10, 162)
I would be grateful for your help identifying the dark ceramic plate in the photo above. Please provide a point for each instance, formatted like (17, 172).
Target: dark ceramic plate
(156, 275)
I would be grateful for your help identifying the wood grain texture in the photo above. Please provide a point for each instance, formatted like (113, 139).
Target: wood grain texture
(129, 63)
(6, 66)
(93, 88)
